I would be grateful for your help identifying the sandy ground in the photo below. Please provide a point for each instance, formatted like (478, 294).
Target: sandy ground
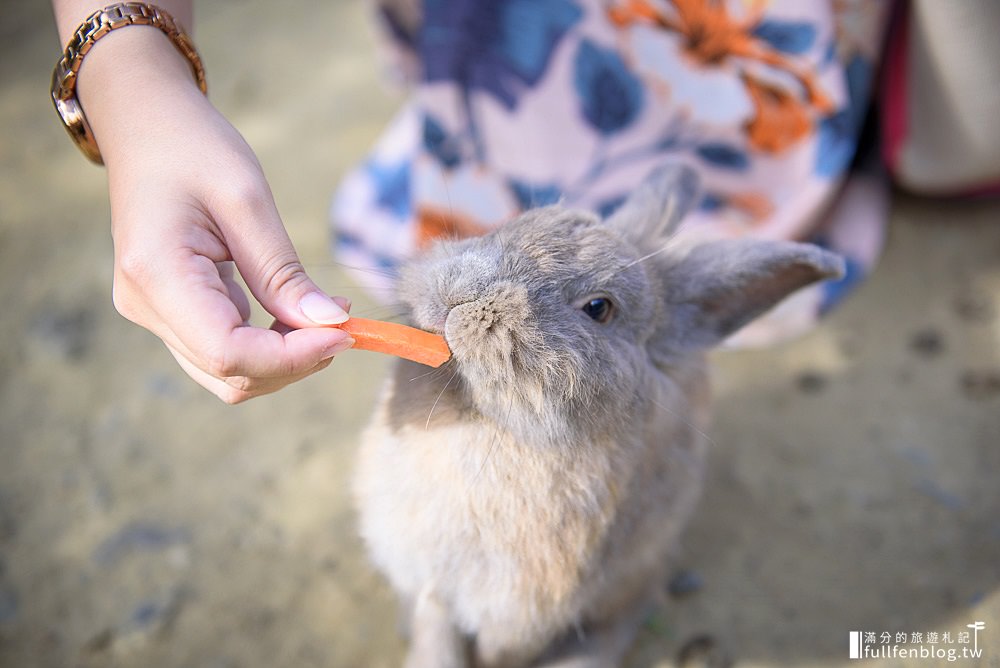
(854, 478)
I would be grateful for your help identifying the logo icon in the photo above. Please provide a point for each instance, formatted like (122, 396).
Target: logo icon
(976, 628)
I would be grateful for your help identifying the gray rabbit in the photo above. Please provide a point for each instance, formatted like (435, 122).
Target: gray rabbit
(524, 499)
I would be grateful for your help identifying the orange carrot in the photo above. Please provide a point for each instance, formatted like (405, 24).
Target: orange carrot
(399, 340)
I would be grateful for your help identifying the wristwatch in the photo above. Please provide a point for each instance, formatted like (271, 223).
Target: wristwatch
(97, 25)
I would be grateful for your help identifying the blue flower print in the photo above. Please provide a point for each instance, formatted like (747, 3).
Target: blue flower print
(836, 144)
(439, 144)
(838, 132)
(835, 291)
(609, 206)
(610, 95)
(711, 202)
(530, 195)
(792, 37)
(723, 156)
(392, 185)
(497, 46)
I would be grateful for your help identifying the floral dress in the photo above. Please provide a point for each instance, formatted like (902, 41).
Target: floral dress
(523, 103)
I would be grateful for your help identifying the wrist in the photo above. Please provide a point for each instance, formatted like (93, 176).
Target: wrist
(106, 72)
(125, 74)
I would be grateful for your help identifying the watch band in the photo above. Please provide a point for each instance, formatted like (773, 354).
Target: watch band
(97, 25)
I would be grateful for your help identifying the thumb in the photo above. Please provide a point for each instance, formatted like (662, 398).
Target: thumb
(284, 289)
(271, 268)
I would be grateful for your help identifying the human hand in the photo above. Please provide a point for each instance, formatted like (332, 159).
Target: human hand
(188, 202)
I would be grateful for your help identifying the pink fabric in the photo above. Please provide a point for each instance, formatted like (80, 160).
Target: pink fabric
(893, 92)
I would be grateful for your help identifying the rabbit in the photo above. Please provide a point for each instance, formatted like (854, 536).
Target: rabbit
(524, 499)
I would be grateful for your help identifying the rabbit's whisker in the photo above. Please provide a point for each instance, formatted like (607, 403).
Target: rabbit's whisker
(667, 245)
(444, 389)
(685, 421)
(647, 256)
(384, 273)
(496, 440)
(383, 312)
(425, 375)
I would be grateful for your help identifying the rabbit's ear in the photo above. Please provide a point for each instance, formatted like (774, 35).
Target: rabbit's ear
(719, 286)
(652, 211)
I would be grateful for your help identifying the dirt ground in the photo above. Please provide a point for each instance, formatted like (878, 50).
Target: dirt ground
(854, 477)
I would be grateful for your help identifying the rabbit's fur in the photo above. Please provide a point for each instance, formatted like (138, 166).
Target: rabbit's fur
(523, 499)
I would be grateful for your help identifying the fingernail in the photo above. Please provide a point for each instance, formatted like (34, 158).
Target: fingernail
(322, 310)
(343, 302)
(338, 347)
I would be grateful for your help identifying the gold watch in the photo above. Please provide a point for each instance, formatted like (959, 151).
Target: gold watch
(97, 25)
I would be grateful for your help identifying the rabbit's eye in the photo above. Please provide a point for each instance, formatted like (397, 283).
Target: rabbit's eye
(600, 309)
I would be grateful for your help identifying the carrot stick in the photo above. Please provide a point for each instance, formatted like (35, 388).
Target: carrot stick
(399, 340)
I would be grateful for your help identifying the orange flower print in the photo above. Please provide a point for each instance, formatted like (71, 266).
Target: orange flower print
(757, 206)
(779, 119)
(438, 223)
(712, 38)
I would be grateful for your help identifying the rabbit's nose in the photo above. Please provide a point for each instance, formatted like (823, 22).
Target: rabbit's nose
(465, 277)
(503, 308)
